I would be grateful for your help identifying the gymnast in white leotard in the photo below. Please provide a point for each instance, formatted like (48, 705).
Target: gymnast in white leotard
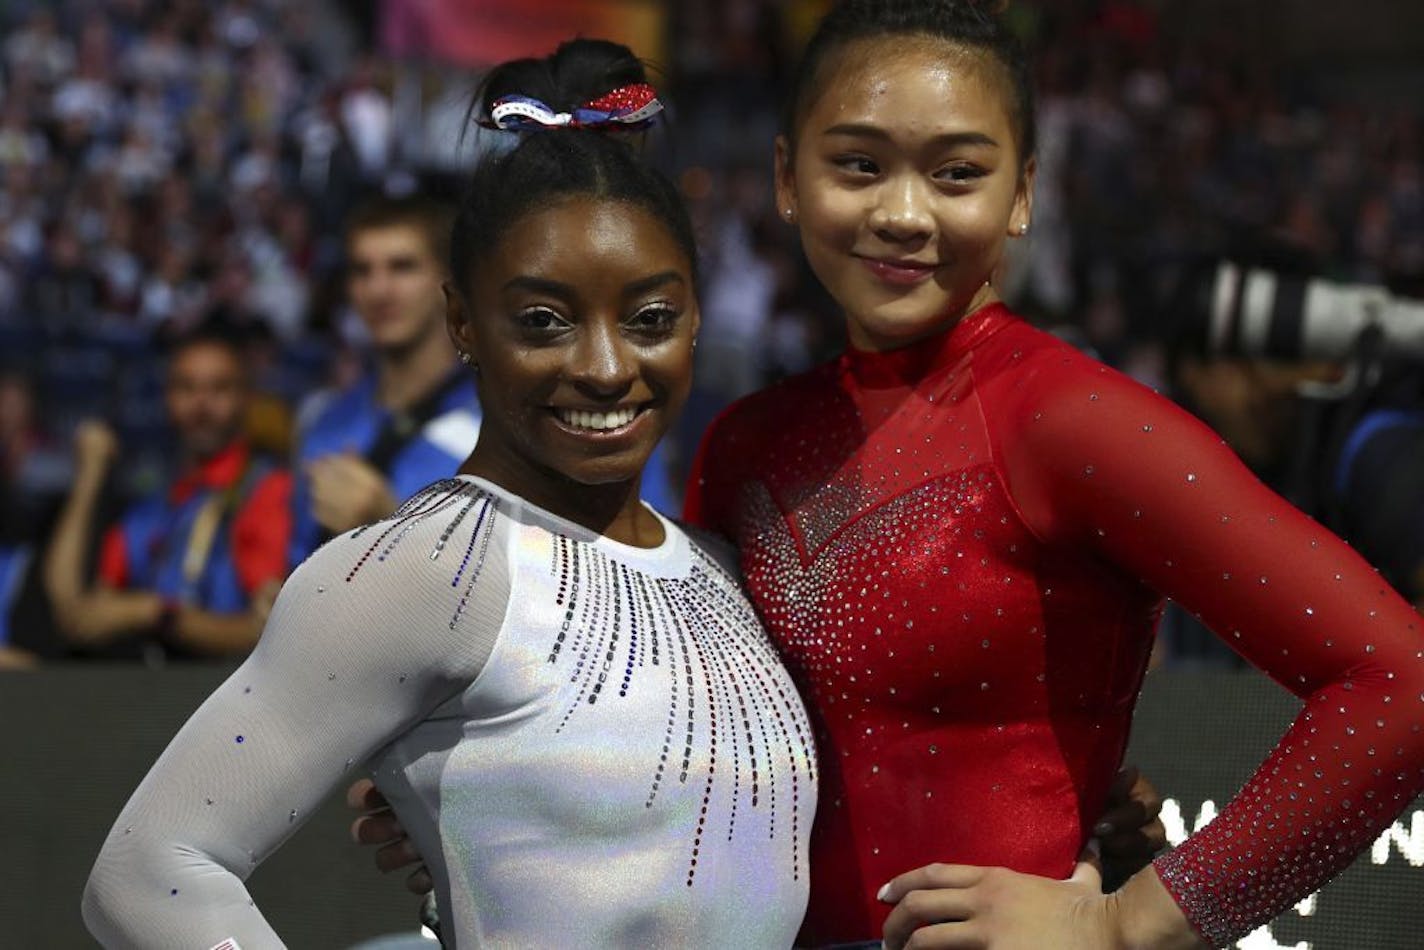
(565, 696)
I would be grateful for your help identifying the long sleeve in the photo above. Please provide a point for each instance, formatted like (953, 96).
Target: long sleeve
(366, 638)
(1098, 462)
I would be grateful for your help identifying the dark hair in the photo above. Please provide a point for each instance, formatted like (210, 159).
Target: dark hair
(966, 23)
(214, 331)
(550, 164)
(427, 216)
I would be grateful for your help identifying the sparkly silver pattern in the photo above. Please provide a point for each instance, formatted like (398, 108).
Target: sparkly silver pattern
(549, 711)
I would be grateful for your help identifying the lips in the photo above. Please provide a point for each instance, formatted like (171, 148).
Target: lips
(899, 272)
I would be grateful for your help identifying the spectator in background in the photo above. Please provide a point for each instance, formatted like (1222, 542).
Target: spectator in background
(1380, 508)
(414, 417)
(32, 474)
(192, 570)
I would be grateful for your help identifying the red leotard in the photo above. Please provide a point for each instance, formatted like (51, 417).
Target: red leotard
(961, 548)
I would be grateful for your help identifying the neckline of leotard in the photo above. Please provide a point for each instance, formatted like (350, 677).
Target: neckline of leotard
(672, 544)
(909, 364)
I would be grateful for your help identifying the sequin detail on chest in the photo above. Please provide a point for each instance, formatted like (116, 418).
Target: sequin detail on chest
(619, 624)
(697, 632)
(926, 572)
(442, 498)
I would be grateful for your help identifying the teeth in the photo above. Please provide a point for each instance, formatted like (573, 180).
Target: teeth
(597, 420)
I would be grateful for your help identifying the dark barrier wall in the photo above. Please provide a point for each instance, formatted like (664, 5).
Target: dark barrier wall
(75, 744)
(76, 741)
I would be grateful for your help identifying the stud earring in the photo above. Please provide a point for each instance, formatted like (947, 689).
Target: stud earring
(1023, 229)
(789, 214)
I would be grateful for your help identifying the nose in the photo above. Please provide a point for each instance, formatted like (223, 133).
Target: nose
(603, 364)
(901, 212)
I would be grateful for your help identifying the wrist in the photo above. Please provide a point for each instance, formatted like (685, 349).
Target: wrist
(1144, 916)
(90, 472)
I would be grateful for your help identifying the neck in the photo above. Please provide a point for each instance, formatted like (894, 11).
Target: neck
(404, 375)
(863, 339)
(194, 460)
(613, 510)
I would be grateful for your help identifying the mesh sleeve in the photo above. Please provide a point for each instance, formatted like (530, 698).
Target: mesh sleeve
(367, 637)
(1099, 462)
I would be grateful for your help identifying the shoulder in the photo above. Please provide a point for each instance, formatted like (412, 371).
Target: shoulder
(715, 547)
(454, 431)
(270, 493)
(1029, 376)
(445, 515)
(766, 413)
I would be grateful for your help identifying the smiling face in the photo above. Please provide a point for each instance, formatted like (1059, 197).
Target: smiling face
(905, 180)
(581, 321)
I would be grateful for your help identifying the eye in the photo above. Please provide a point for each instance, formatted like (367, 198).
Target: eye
(654, 318)
(959, 173)
(856, 165)
(539, 318)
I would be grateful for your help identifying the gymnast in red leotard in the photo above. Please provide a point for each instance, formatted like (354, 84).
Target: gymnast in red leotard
(960, 534)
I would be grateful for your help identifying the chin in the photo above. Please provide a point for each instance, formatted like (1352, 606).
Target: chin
(904, 326)
(596, 471)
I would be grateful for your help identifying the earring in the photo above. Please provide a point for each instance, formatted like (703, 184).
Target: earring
(789, 214)
(466, 358)
(1023, 229)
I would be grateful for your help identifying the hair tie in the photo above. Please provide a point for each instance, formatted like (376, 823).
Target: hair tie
(627, 108)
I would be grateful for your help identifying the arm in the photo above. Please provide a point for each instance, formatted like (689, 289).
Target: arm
(1100, 465)
(85, 614)
(350, 660)
(204, 631)
(1106, 465)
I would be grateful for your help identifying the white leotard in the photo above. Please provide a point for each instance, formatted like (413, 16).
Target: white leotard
(592, 744)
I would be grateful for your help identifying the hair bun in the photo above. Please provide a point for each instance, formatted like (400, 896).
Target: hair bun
(580, 74)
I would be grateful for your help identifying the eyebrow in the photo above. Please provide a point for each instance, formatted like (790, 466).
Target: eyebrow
(557, 288)
(944, 138)
(393, 260)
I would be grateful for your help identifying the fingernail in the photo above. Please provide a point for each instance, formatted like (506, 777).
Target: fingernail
(1103, 828)
(884, 894)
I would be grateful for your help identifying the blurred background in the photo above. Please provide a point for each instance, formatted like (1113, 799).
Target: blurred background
(172, 166)
(166, 164)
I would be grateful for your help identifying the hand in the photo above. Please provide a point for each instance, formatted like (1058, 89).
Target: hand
(95, 445)
(961, 906)
(1130, 831)
(347, 493)
(378, 825)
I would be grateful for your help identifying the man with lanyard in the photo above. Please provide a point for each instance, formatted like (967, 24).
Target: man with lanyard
(414, 417)
(192, 569)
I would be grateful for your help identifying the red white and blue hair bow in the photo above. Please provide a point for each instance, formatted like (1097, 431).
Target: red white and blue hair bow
(627, 108)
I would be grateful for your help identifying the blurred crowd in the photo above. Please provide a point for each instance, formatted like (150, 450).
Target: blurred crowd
(171, 166)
